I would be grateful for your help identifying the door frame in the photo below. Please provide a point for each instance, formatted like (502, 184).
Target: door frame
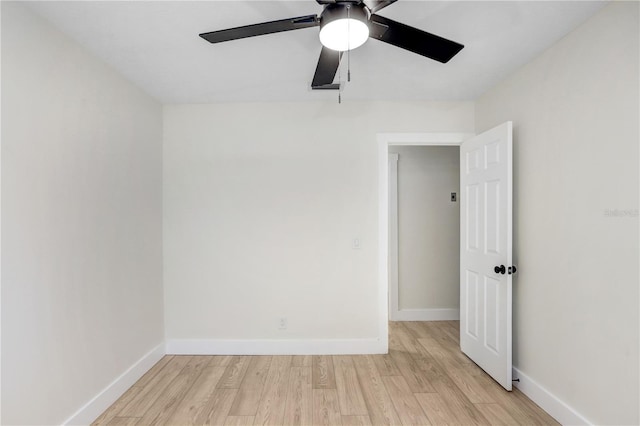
(388, 266)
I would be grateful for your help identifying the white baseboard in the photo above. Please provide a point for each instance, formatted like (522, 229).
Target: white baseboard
(275, 347)
(550, 403)
(103, 400)
(426, 315)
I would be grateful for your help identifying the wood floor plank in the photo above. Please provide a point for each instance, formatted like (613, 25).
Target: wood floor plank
(454, 324)
(496, 414)
(234, 373)
(196, 399)
(415, 376)
(385, 365)
(350, 395)
(452, 332)
(356, 421)
(168, 401)
(533, 408)
(415, 329)
(144, 380)
(326, 409)
(394, 338)
(144, 399)
(408, 340)
(437, 352)
(508, 401)
(379, 405)
(407, 407)
(216, 408)
(429, 366)
(239, 421)
(524, 411)
(441, 332)
(298, 409)
(436, 408)
(437, 333)
(302, 361)
(465, 412)
(124, 421)
(473, 390)
(274, 395)
(411, 346)
(450, 347)
(117, 406)
(448, 357)
(323, 374)
(221, 360)
(250, 392)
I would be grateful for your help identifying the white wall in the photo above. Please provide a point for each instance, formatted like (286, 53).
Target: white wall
(428, 227)
(261, 205)
(81, 221)
(576, 115)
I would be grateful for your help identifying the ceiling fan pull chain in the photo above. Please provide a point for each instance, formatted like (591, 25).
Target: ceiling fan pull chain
(340, 76)
(340, 80)
(348, 43)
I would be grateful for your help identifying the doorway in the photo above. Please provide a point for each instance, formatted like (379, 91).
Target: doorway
(424, 233)
(385, 140)
(486, 181)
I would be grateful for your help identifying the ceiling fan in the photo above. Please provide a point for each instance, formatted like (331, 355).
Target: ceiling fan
(346, 25)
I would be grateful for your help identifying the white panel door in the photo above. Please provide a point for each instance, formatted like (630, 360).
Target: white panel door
(485, 251)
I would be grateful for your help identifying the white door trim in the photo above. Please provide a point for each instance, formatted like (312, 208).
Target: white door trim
(394, 277)
(387, 260)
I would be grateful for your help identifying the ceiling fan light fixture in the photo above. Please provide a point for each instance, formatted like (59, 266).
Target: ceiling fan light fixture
(343, 27)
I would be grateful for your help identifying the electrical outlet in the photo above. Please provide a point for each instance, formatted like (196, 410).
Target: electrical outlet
(282, 323)
(356, 243)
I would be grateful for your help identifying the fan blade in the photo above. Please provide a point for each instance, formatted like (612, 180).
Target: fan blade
(326, 69)
(413, 39)
(376, 5)
(261, 29)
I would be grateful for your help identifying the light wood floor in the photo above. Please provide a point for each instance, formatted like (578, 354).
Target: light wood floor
(424, 380)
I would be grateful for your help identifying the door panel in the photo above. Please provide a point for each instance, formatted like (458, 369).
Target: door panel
(492, 216)
(491, 320)
(472, 219)
(471, 289)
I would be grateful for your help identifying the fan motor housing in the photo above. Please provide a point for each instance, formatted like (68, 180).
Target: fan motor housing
(335, 11)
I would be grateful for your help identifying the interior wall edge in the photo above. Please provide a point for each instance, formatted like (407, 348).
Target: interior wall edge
(558, 409)
(110, 394)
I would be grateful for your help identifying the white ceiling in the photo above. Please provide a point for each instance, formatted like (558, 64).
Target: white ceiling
(155, 44)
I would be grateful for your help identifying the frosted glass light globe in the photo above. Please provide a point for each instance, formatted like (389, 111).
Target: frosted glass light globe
(344, 34)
